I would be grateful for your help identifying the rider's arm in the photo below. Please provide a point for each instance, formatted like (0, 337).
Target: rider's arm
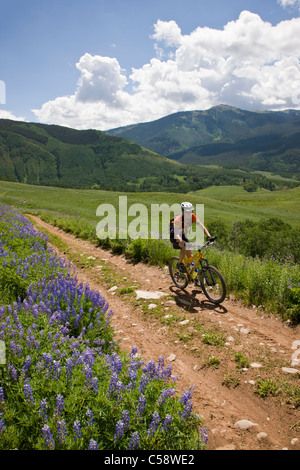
(203, 228)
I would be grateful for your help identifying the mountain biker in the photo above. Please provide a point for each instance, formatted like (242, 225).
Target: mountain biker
(178, 229)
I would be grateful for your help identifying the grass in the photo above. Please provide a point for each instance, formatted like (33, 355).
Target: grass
(259, 282)
(228, 203)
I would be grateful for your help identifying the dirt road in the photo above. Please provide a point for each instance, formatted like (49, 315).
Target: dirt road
(226, 352)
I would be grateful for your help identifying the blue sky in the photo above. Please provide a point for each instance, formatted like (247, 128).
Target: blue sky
(104, 64)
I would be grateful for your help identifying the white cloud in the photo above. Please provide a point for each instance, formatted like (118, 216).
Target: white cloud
(8, 115)
(289, 3)
(249, 63)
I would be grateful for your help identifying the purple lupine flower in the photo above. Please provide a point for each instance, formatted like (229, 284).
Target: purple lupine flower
(28, 392)
(119, 430)
(59, 405)
(115, 386)
(125, 419)
(154, 424)
(13, 347)
(204, 435)
(187, 395)
(56, 370)
(150, 368)
(13, 371)
(134, 351)
(90, 418)
(143, 383)
(69, 367)
(61, 431)
(27, 364)
(77, 429)
(167, 393)
(43, 409)
(93, 445)
(187, 410)
(48, 438)
(141, 405)
(166, 423)
(2, 425)
(2, 398)
(135, 440)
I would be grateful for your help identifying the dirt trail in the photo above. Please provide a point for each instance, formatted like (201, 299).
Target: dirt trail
(223, 395)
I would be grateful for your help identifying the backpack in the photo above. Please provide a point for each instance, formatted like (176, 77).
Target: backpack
(171, 228)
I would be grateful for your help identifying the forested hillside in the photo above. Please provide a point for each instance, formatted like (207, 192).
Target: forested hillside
(226, 136)
(59, 156)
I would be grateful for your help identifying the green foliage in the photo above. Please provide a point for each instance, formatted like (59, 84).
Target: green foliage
(65, 386)
(266, 388)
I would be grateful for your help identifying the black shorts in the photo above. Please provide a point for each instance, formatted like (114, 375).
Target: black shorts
(175, 242)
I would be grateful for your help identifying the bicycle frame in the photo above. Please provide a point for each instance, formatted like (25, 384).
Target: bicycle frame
(197, 259)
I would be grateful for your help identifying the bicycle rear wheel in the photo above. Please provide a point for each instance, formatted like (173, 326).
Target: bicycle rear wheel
(180, 279)
(213, 284)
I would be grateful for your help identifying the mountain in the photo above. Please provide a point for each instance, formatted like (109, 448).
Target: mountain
(225, 136)
(60, 156)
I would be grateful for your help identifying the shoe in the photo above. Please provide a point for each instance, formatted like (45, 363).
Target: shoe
(181, 267)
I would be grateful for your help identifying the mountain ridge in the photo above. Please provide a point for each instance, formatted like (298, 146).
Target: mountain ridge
(225, 136)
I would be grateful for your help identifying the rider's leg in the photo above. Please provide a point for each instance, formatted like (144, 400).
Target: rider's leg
(183, 253)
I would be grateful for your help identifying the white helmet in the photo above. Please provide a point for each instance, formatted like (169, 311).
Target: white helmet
(187, 207)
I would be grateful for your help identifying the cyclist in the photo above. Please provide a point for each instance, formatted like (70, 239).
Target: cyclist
(178, 229)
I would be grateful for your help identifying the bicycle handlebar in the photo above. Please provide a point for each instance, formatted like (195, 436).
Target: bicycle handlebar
(209, 242)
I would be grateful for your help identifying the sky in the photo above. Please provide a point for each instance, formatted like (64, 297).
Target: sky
(103, 64)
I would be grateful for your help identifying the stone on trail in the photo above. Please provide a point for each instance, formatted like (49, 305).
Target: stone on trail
(244, 424)
(144, 294)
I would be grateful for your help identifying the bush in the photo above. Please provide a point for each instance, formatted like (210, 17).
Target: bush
(65, 384)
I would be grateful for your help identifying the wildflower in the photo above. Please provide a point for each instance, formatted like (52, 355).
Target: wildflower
(126, 419)
(134, 351)
(48, 438)
(119, 430)
(143, 383)
(27, 364)
(115, 386)
(204, 436)
(61, 431)
(90, 418)
(166, 423)
(135, 440)
(28, 392)
(187, 410)
(2, 425)
(141, 405)
(43, 409)
(56, 370)
(169, 392)
(185, 397)
(77, 429)
(69, 367)
(154, 424)
(59, 405)
(13, 371)
(2, 395)
(93, 445)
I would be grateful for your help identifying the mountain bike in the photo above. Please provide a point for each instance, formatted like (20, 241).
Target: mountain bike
(198, 271)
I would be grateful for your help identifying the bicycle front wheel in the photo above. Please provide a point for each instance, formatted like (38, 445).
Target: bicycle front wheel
(180, 279)
(213, 284)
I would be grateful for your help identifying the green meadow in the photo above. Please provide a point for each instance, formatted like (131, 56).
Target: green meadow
(227, 203)
(258, 249)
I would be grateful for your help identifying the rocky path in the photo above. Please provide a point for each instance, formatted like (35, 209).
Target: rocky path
(227, 353)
